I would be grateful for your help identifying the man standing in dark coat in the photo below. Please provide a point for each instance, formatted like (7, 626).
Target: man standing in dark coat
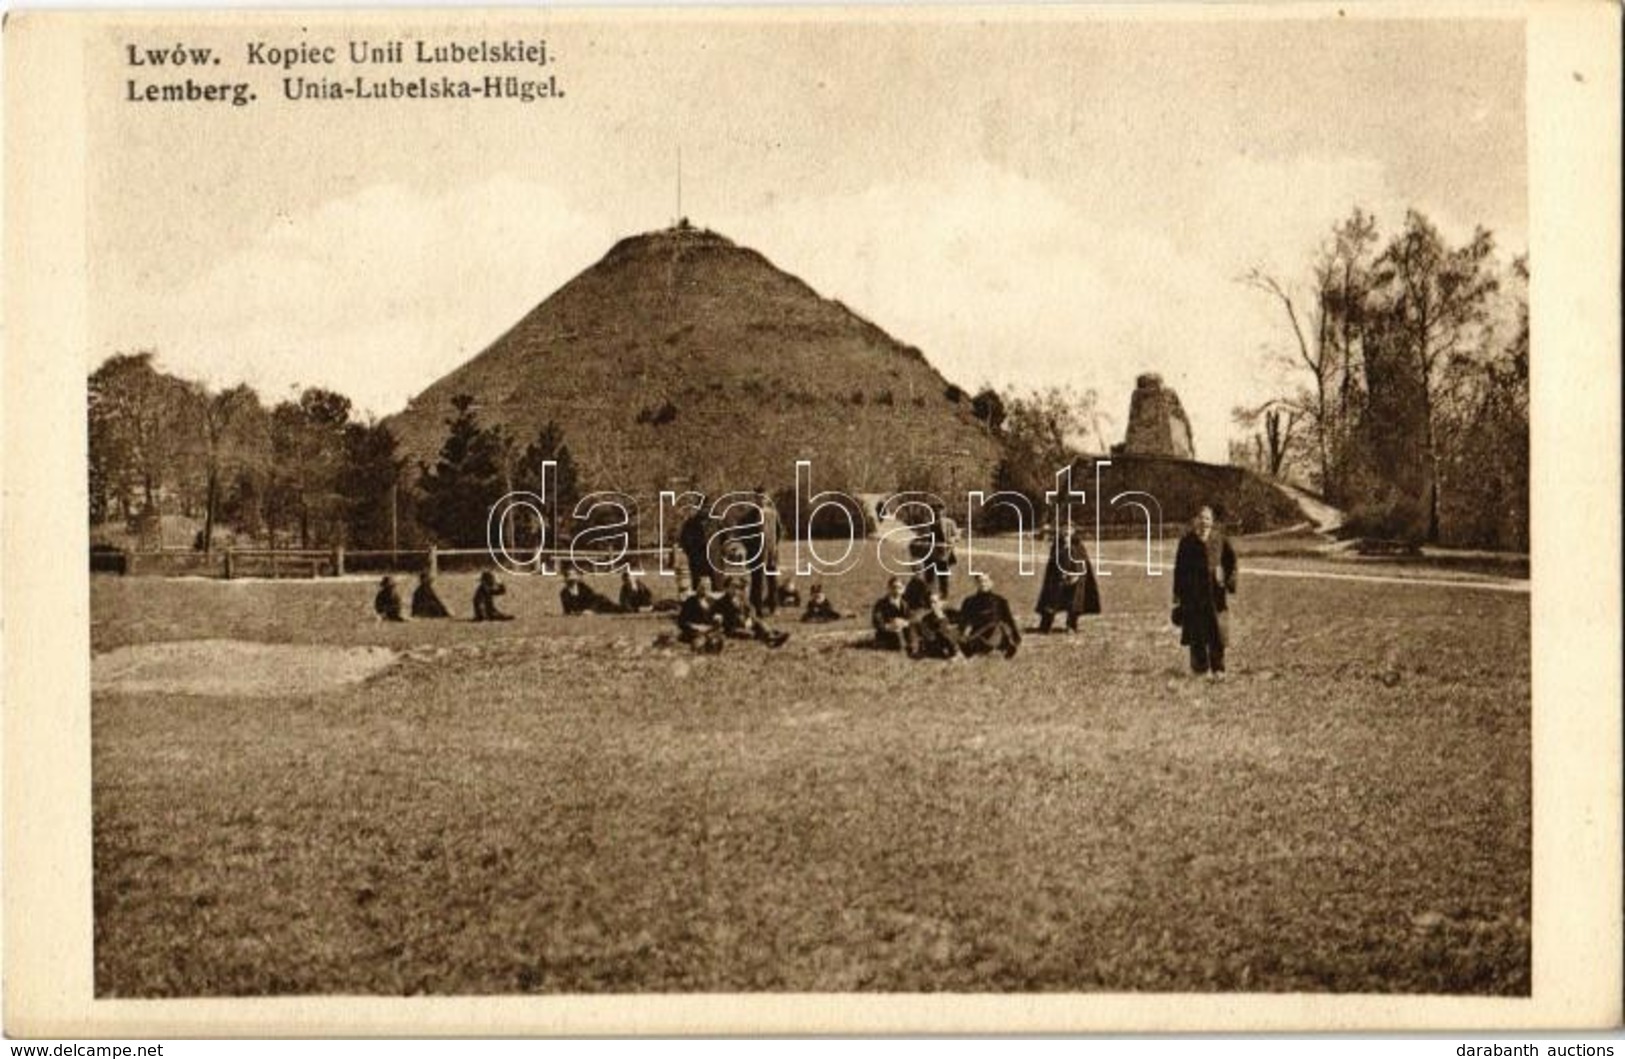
(1204, 576)
(693, 537)
(985, 621)
(1069, 584)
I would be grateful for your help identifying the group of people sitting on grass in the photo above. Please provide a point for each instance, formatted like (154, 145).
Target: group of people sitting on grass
(912, 618)
(426, 601)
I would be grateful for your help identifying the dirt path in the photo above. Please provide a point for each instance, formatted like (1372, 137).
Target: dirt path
(1326, 575)
(1324, 516)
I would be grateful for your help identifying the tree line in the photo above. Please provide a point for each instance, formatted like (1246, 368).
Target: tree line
(1407, 393)
(304, 472)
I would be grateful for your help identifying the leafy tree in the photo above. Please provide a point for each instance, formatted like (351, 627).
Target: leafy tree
(235, 433)
(368, 484)
(988, 408)
(137, 420)
(1433, 300)
(307, 445)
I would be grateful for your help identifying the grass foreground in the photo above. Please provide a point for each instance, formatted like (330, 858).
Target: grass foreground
(559, 805)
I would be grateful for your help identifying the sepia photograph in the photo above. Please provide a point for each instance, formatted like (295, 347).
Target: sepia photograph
(924, 502)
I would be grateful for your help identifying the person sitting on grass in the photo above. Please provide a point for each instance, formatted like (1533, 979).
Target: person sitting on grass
(939, 638)
(635, 595)
(577, 597)
(485, 594)
(819, 608)
(426, 601)
(739, 620)
(893, 630)
(387, 603)
(698, 624)
(985, 622)
(789, 595)
(917, 593)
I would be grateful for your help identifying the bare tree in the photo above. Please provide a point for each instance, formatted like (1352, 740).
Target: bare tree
(1313, 356)
(1279, 419)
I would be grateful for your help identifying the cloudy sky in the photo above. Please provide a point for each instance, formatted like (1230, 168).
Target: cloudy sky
(1061, 202)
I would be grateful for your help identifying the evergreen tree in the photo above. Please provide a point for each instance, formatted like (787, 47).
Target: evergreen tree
(469, 477)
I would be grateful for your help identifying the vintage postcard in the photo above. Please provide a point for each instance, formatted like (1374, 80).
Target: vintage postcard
(872, 519)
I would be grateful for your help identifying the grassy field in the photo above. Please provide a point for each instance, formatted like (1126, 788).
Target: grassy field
(557, 805)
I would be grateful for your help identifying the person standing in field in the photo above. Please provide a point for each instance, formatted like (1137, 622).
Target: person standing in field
(1204, 576)
(933, 548)
(765, 527)
(694, 537)
(1069, 584)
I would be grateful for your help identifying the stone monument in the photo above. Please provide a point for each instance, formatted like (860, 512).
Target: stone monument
(1157, 425)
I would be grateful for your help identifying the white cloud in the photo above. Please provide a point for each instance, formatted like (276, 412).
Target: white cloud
(375, 295)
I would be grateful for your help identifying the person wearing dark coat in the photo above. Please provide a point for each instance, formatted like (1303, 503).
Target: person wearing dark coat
(939, 637)
(1204, 576)
(426, 601)
(694, 538)
(739, 621)
(485, 594)
(919, 590)
(387, 603)
(1069, 585)
(789, 595)
(635, 595)
(890, 618)
(577, 597)
(698, 624)
(985, 621)
(819, 608)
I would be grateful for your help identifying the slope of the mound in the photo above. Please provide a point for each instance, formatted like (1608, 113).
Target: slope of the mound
(682, 355)
(1246, 502)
